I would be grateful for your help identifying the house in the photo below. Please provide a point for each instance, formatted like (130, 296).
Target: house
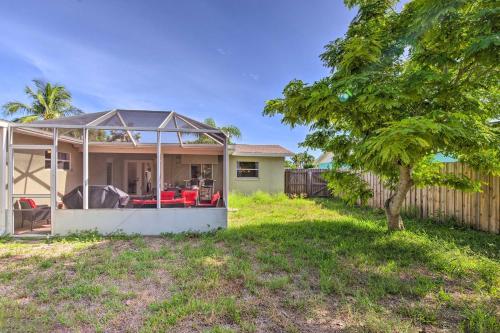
(126, 155)
(324, 161)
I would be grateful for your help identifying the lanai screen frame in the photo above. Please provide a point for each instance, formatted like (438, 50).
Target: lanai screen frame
(66, 123)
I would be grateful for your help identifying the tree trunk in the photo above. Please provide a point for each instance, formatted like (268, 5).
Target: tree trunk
(394, 203)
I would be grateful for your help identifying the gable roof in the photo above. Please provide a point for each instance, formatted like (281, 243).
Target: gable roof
(325, 158)
(259, 150)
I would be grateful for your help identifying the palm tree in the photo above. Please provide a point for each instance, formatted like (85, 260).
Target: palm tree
(231, 131)
(48, 102)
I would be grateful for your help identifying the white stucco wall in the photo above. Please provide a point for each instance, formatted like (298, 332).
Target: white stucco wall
(141, 221)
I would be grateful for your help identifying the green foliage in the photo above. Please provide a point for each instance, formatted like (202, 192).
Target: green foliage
(349, 186)
(301, 161)
(231, 131)
(49, 101)
(480, 320)
(405, 85)
(429, 173)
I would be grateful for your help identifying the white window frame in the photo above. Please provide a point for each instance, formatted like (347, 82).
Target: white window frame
(58, 160)
(247, 169)
(201, 169)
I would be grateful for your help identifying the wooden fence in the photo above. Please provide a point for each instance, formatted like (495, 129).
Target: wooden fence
(306, 181)
(479, 210)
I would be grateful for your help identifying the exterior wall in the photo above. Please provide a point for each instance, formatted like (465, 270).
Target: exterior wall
(97, 167)
(30, 175)
(176, 168)
(141, 221)
(271, 175)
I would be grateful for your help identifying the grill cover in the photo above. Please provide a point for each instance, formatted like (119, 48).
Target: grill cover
(100, 196)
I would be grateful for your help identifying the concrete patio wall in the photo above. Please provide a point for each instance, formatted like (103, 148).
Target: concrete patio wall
(141, 221)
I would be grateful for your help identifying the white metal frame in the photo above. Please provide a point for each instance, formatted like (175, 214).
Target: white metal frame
(53, 177)
(9, 181)
(3, 177)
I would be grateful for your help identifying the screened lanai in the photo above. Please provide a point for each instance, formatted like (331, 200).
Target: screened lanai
(130, 170)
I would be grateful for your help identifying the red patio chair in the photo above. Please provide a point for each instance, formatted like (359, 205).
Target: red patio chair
(27, 210)
(214, 202)
(190, 196)
(167, 195)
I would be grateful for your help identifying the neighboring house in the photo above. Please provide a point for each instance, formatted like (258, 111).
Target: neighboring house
(132, 167)
(324, 161)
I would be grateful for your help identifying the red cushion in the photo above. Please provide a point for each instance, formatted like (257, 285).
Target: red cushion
(167, 195)
(30, 202)
(143, 202)
(190, 196)
(173, 201)
(215, 199)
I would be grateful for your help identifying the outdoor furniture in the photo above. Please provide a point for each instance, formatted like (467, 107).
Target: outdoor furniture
(100, 196)
(176, 190)
(167, 199)
(207, 189)
(214, 201)
(190, 196)
(26, 210)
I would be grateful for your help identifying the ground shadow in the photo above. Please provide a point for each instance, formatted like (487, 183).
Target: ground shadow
(479, 242)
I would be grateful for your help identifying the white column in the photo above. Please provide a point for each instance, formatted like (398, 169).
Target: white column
(158, 169)
(10, 183)
(3, 179)
(226, 174)
(53, 178)
(85, 168)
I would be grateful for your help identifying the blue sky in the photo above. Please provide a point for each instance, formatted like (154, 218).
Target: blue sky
(202, 58)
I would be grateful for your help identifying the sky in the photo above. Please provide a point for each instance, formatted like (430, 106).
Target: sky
(201, 58)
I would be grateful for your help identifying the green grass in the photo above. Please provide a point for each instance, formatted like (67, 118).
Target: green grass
(287, 265)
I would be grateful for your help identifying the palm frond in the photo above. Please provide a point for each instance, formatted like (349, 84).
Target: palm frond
(231, 131)
(27, 119)
(16, 107)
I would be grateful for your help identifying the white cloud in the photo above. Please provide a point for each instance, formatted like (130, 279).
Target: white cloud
(221, 51)
(254, 76)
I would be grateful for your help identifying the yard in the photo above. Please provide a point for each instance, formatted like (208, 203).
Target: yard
(283, 265)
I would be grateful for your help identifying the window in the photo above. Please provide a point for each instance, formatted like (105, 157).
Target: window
(63, 160)
(247, 169)
(203, 171)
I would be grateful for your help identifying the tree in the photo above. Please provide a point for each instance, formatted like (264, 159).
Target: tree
(49, 101)
(404, 85)
(231, 131)
(120, 136)
(301, 161)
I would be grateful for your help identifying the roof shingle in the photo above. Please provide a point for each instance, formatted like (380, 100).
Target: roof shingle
(259, 150)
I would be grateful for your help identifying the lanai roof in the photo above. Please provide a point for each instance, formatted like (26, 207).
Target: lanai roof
(131, 120)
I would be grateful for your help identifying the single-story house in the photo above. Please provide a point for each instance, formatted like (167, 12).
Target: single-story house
(324, 161)
(102, 171)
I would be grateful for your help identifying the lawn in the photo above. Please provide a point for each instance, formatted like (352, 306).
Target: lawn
(283, 265)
